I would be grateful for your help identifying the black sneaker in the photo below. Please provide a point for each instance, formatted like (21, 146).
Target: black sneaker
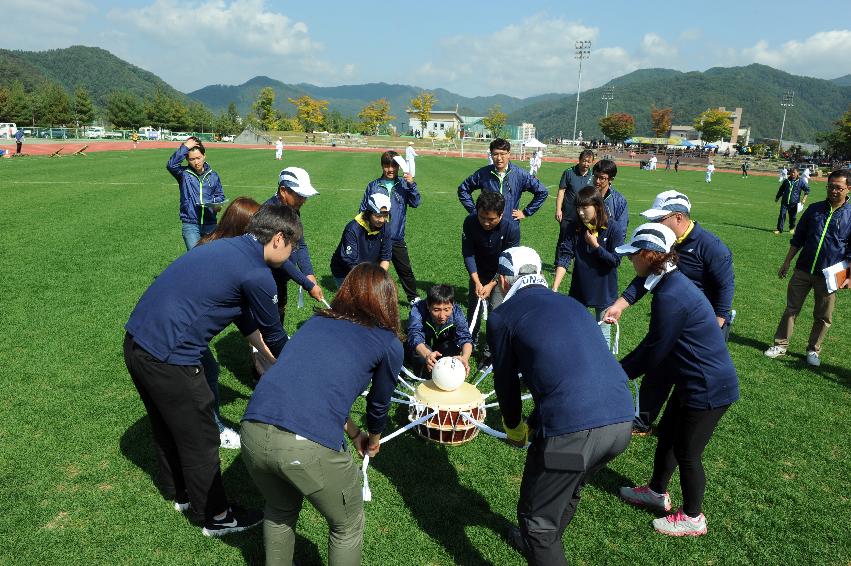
(236, 520)
(516, 541)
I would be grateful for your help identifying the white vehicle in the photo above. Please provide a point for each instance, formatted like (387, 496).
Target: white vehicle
(93, 132)
(179, 136)
(113, 135)
(147, 132)
(229, 139)
(8, 130)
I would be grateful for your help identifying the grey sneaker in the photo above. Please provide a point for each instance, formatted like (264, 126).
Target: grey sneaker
(813, 359)
(681, 525)
(643, 496)
(775, 351)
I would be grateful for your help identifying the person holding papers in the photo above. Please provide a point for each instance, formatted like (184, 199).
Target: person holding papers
(823, 237)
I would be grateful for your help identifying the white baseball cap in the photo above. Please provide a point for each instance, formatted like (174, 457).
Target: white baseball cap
(512, 260)
(666, 203)
(297, 180)
(650, 236)
(377, 201)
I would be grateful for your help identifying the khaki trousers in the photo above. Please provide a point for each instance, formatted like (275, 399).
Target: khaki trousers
(799, 287)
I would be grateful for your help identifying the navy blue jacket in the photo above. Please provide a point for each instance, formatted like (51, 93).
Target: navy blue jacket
(574, 380)
(790, 191)
(357, 246)
(481, 248)
(708, 262)
(299, 266)
(594, 282)
(572, 182)
(422, 330)
(684, 342)
(516, 181)
(19, 135)
(202, 292)
(824, 236)
(403, 195)
(618, 211)
(195, 189)
(319, 375)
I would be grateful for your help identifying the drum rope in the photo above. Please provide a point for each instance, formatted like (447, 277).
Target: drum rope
(483, 427)
(485, 372)
(615, 348)
(496, 403)
(410, 374)
(367, 493)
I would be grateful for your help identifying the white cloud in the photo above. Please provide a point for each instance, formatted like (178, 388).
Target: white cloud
(826, 54)
(653, 45)
(691, 34)
(44, 25)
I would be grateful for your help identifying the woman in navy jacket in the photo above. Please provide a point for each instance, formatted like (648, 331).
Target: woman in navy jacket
(292, 431)
(684, 340)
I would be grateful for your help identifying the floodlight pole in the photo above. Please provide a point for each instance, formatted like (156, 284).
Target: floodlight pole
(583, 51)
(608, 94)
(786, 102)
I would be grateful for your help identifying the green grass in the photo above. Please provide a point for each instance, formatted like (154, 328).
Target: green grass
(83, 237)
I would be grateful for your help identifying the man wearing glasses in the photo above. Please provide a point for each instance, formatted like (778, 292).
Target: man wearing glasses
(503, 178)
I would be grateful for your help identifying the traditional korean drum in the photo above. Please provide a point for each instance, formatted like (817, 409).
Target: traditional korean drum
(447, 426)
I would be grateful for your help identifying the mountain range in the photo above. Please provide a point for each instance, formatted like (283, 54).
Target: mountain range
(756, 88)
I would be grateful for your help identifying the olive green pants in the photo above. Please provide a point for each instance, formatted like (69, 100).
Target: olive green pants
(287, 468)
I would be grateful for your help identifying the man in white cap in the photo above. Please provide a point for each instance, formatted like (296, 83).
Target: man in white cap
(366, 239)
(279, 149)
(410, 157)
(704, 259)
(294, 188)
(583, 409)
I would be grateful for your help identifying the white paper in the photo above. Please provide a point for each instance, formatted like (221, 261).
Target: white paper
(800, 207)
(830, 274)
(403, 165)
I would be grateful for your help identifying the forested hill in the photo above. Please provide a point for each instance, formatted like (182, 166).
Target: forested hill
(97, 70)
(756, 88)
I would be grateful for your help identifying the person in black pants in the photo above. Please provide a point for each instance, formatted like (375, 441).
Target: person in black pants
(792, 190)
(583, 409)
(403, 193)
(682, 338)
(195, 298)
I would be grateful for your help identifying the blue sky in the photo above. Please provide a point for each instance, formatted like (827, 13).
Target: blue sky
(473, 48)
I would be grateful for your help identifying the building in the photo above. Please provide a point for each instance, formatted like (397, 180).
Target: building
(472, 126)
(439, 121)
(684, 132)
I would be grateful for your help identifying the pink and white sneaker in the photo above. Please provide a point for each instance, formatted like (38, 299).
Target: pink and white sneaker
(681, 525)
(643, 496)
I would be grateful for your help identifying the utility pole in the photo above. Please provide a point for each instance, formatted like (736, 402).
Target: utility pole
(583, 51)
(787, 101)
(608, 94)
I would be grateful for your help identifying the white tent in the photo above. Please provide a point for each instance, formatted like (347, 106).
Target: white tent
(531, 143)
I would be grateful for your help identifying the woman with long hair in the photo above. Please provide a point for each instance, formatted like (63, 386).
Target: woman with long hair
(293, 430)
(683, 339)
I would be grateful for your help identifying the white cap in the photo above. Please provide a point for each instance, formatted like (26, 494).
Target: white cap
(297, 180)
(666, 203)
(650, 236)
(377, 201)
(512, 260)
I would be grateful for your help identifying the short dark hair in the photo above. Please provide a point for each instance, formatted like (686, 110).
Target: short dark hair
(586, 153)
(794, 169)
(367, 297)
(500, 144)
(274, 218)
(199, 146)
(606, 166)
(440, 294)
(840, 174)
(490, 201)
(387, 158)
(590, 196)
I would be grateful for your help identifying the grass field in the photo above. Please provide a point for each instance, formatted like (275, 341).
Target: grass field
(83, 237)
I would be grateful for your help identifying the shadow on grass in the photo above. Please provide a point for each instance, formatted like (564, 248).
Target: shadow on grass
(233, 353)
(416, 467)
(798, 361)
(748, 227)
(138, 447)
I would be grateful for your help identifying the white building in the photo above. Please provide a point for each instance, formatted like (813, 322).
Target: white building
(526, 131)
(439, 121)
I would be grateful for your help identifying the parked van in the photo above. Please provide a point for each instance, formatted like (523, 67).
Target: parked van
(148, 133)
(7, 130)
(94, 132)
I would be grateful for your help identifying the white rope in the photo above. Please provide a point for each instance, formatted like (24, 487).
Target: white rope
(483, 427)
(476, 313)
(486, 372)
(367, 493)
(403, 394)
(489, 394)
(300, 303)
(615, 343)
(324, 302)
(634, 383)
(405, 383)
(496, 403)
(410, 374)
(403, 401)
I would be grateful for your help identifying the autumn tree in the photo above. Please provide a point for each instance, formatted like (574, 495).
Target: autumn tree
(618, 126)
(375, 115)
(422, 106)
(263, 114)
(495, 121)
(661, 119)
(310, 112)
(714, 124)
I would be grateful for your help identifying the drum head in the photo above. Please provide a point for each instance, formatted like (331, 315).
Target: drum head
(462, 399)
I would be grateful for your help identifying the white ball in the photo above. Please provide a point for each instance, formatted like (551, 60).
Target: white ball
(448, 373)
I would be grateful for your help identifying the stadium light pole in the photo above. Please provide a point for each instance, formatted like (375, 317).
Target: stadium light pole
(583, 51)
(787, 101)
(608, 94)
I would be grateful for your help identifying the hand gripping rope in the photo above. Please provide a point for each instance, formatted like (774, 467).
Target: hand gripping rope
(483, 305)
(615, 347)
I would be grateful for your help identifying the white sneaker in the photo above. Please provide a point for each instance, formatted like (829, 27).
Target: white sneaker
(813, 359)
(681, 525)
(229, 439)
(775, 351)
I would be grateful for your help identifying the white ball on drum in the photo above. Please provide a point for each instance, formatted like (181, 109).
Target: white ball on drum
(448, 373)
